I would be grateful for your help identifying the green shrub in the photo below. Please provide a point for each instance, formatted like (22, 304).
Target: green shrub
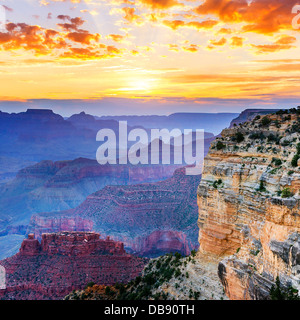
(277, 162)
(265, 121)
(286, 193)
(261, 186)
(294, 161)
(89, 285)
(107, 291)
(220, 145)
(239, 137)
(217, 183)
(278, 292)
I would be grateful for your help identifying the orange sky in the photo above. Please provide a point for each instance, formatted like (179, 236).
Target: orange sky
(150, 49)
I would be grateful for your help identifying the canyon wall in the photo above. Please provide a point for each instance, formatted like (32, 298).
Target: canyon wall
(248, 202)
(151, 218)
(66, 261)
(54, 186)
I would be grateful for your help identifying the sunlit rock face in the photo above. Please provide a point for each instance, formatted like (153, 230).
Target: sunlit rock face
(66, 261)
(248, 203)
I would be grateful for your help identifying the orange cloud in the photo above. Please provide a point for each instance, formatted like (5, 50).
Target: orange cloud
(160, 4)
(130, 14)
(116, 37)
(220, 42)
(283, 43)
(290, 67)
(83, 37)
(237, 41)
(191, 48)
(72, 42)
(175, 24)
(261, 16)
(225, 31)
(173, 47)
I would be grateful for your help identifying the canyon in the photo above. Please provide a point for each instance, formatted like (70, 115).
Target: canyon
(29, 184)
(151, 218)
(62, 262)
(247, 230)
(249, 227)
(248, 202)
(61, 185)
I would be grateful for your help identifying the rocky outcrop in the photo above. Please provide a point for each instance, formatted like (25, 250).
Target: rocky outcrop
(61, 185)
(66, 261)
(250, 114)
(249, 205)
(55, 186)
(161, 241)
(150, 218)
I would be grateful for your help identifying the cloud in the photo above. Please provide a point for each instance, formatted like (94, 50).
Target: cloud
(220, 42)
(283, 43)
(71, 42)
(130, 15)
(73, 24)
(237, 41)
(261, 16)
(175, 24)
(225, 31)
(160, 4)
(293, 67)
(91, 53)
(116, 37)
(83, 37)
(191, 48)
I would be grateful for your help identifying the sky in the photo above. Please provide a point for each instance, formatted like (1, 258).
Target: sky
(149, 56)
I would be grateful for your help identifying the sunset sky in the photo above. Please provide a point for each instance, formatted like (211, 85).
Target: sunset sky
(149, 56)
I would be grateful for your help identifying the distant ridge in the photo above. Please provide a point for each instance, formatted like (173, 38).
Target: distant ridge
(250, 114)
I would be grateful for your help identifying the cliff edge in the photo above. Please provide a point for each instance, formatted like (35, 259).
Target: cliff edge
(248, 200)
(63, 262)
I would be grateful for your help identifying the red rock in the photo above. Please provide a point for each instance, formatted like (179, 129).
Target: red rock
(66, 261)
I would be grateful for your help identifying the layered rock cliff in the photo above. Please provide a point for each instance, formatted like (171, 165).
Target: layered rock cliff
(151, 219)
(61, 185)
(249, 214)
(65, 261)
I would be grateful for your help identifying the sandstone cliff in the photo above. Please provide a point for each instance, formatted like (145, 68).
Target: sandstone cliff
(66, 261)
(249, 205)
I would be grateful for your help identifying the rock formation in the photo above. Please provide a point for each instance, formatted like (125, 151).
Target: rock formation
(249, 205)
(250, 114)
(61, 185)
(151, 218)
(66, 261)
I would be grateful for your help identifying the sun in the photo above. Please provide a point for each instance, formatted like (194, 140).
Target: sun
(142, 84)
(139, 85)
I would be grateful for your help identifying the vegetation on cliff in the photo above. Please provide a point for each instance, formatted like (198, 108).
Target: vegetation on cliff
(279, 292)
(156, 273)
(251, 220)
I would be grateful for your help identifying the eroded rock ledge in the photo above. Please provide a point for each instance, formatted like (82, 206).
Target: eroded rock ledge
(249, 205)
(66, 261)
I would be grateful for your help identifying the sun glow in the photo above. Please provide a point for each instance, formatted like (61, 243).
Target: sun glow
(140, 85)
